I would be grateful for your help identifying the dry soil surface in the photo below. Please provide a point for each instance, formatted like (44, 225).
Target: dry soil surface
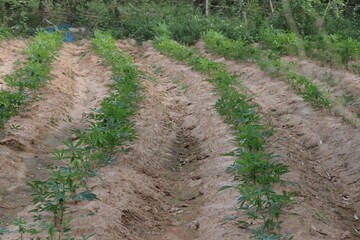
(10, 52)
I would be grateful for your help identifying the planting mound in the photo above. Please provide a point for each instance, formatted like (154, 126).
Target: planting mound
(77, 85)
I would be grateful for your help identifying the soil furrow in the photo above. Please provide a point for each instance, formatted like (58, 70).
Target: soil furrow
(167, 186)
(200, 121)
(10, 52)
(78, 84)
(326, 178)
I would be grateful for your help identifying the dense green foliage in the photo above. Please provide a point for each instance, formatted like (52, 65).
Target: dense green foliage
(138, 17)
(258, 171)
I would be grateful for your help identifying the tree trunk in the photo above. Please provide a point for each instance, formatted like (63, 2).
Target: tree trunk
(292, 24)
(271, 6)
(242, 12)
(116, 10)
(207, 8)
(3, 10)
(41, 10)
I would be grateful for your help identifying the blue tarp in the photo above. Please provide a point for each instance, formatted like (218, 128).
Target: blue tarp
(69, 36)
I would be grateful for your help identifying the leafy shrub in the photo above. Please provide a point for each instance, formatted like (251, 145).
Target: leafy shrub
(333, 49)
(225, 46)
(4, 32)
(140, 21)
(278, 40)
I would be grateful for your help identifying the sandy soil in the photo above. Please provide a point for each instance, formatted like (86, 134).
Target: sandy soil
(77, 85)
(326, 173)
(166, 188)
(10, 52)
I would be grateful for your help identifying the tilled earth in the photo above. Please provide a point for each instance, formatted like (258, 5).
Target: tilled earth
(167, 187)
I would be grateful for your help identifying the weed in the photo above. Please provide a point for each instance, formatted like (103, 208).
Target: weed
(54, 120)
(15, 127)
(185, 87)
(329, 79)
(348, 98)
(320, 216)
(157, 70)
(176, 81)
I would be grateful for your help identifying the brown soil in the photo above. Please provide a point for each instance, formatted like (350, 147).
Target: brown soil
(326, 167)
(166, 188)
(10, 52)
(77, 85)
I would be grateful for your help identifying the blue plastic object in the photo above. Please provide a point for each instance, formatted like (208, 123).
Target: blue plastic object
(69, 36)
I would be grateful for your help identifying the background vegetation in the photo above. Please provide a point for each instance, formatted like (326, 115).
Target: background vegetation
(185, 19)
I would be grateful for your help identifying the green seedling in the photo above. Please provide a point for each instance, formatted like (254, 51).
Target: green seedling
(15, 127)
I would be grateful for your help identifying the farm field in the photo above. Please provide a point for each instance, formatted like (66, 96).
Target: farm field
(167, 186)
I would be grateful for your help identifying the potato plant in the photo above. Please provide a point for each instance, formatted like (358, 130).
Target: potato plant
(258, 171)
(34, 72)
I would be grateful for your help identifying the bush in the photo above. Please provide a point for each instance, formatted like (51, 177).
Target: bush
(4, 32)
(278, 40)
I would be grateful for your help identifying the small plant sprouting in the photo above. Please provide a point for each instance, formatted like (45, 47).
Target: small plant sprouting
(15, 127)
(328, 77)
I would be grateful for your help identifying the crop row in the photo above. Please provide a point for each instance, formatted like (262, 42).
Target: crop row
(269, 62)
(31, 75)
(109, 131)
(258, 172)
(330, 49)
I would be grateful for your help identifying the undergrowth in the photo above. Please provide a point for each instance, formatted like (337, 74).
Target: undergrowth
(258, 171)
(110, 130)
